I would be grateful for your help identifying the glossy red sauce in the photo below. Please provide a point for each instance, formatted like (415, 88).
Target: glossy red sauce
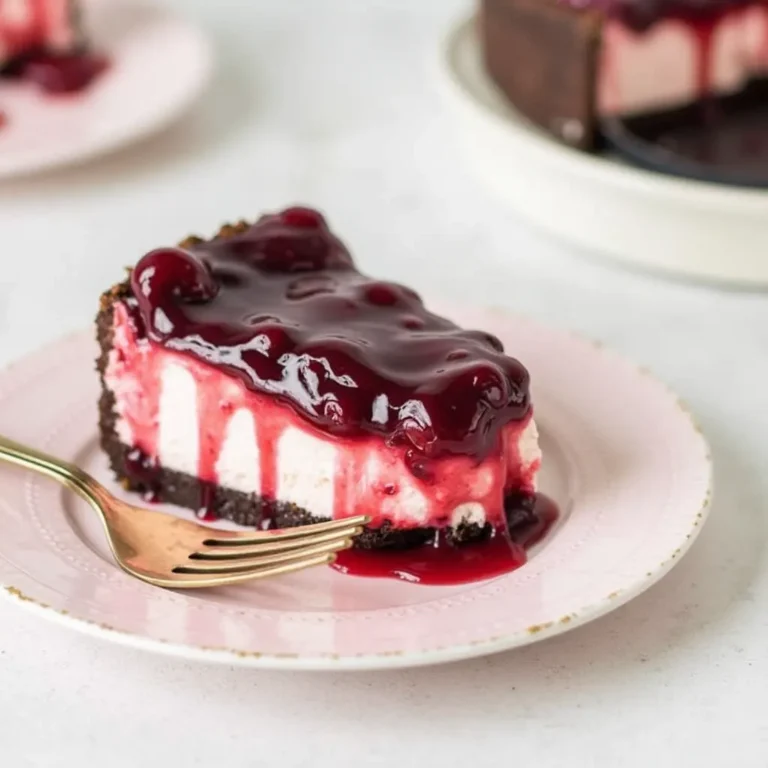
(441, 563)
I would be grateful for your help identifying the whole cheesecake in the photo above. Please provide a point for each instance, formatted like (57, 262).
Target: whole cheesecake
(568, 64)
(259, 377)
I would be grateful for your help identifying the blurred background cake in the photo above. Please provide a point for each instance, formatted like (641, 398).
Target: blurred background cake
(43, 42)
(568, 64)
(33, 27)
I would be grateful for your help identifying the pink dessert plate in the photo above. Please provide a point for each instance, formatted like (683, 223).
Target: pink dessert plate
(622, 458)
(159, 64)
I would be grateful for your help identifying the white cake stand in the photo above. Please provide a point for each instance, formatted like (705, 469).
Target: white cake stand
(693, 229)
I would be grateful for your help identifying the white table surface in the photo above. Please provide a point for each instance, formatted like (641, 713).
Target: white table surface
(333, 103)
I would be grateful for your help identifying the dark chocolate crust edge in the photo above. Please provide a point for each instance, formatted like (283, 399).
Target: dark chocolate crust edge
(224, 503)
(543, 55)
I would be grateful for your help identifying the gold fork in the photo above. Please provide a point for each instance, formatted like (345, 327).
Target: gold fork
(168, 552)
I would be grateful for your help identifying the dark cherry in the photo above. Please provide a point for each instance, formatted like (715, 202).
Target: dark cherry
(381, 295)
(281, 306)
(173, 272)
(296, 240)
(166, 278)
(63, 74)
(304, 218)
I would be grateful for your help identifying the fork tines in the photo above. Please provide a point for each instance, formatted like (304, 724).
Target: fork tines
(275, 552)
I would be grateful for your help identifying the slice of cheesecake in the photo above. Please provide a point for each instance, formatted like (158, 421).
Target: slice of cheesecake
(260, 378)
(37, 27)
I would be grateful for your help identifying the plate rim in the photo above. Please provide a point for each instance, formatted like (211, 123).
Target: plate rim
(399, 659)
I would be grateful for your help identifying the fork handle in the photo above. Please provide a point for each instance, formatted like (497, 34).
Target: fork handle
(67, 474)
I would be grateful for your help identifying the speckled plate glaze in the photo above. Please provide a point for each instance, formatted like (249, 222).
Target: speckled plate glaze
(159, 65)
(622, 458)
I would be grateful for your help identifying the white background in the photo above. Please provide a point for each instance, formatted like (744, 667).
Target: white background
(333, 103)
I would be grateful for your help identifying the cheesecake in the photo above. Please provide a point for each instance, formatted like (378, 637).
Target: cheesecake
(572, 65)
(259, 377)
(44, 42)
(38, 26)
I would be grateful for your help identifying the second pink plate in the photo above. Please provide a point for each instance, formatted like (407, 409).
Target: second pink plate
(159, 64)
(622, 457)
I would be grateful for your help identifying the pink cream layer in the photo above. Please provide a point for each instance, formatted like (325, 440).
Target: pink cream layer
(678, 60)
(189, 417)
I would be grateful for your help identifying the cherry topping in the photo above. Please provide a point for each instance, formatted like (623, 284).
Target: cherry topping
(489, 380)
(304, 218)
(280, 306)
(419, 466)
(311, 285)
(63, 74)
(277, 338)
(381, 294)
(641, 14)
(227, 277)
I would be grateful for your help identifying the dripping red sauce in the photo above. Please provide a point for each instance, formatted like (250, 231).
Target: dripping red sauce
(700, 17)
(143, 472)
(147, 476)
(703, 30)
(762, 55)
(27, 43)
(640, 15)
(717, 137)
(205, 509)
(63, 74)
(58, 74)
(440, 563)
